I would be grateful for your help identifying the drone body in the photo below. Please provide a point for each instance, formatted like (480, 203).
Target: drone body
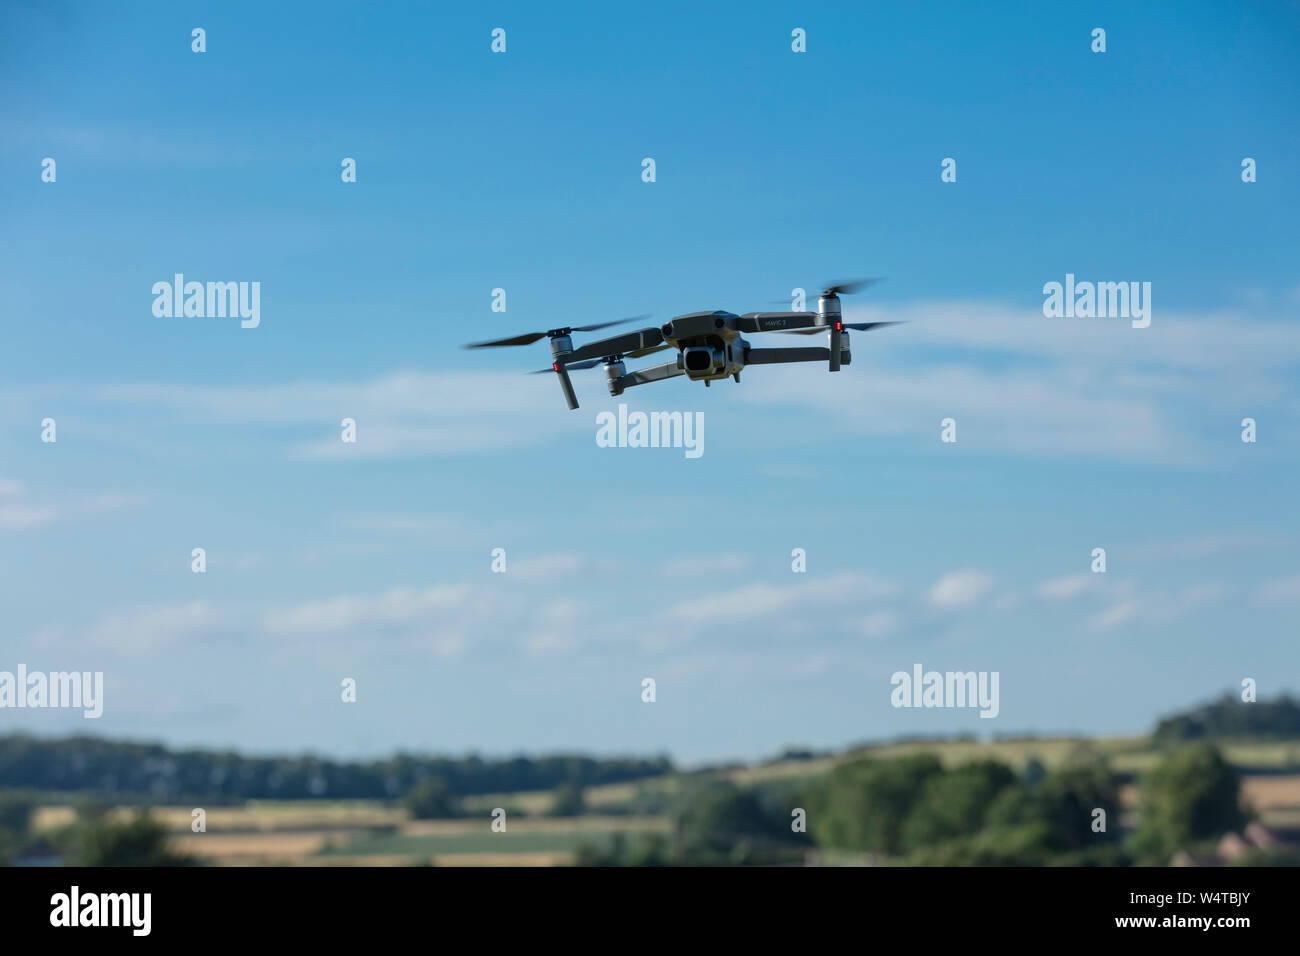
(710, 345)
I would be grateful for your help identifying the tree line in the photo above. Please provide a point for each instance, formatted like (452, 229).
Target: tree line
(1229, 717)
(156, 772)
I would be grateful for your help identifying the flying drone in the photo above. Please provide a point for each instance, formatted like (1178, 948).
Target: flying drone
(709, 344)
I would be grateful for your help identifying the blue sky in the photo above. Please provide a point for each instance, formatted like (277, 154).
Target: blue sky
(522, 171)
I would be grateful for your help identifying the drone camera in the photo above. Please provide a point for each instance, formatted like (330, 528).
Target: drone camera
(698, 360)
(702, 361)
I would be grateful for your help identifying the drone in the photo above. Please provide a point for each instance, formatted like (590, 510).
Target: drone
(709, 345)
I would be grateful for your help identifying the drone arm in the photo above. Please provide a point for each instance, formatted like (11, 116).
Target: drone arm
(781, 356)
(655, 373)
(616, 345)
(778, 321)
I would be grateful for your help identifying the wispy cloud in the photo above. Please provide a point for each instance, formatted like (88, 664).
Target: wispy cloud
(1206, 545)
(401, 414)
(403, 523)
(1280, 590)
(960, 589)
(146, 629)
(1114, 616)
(392, 608)
(560, 628)
(1068, 586)
(19, 510)
(761, 600)
(684, 567)
(546, 567)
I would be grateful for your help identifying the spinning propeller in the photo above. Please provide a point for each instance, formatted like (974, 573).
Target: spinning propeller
(528, 338)
(858, 326)
(851, 286)
(617, 356)
(561, 345)
(828, 305)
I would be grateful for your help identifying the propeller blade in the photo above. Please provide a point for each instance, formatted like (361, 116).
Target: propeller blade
(592, 363)
(551, 368)
(849, 287)
(605, 325)
(859, 326)
(637, 353)
(868, 326)
(528, 338)
(589, 363)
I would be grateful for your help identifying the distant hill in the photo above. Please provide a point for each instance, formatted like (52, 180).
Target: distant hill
(154, 770)
(1228, 716)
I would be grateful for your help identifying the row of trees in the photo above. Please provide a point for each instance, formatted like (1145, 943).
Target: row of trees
(432, 799)
(1231, 717)
(716, 823)
(978, 813)
(155, 772)
(914, 810)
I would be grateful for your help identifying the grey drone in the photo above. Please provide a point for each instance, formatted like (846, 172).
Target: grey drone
(709, 344)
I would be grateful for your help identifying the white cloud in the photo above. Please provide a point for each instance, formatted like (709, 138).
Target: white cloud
(1068, 586)
(1199, 595)
(403, 523)
(545, 567)
(1208, 544)
(18, 512)
(447, 646)
(394, 607)
(1114, 616)
(1281, 590)
(684, 567)
(145, 629)
(108, 501)
(398, 415)
(557, 629)
(960, 589)
(760, 600)
(18, 516)
(880, 623)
